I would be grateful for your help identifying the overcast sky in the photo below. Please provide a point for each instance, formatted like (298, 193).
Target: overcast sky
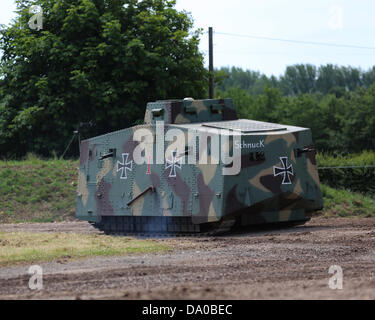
(346, 22)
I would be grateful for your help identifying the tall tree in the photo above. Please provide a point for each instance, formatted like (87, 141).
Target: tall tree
(99, 60)
(299, 78)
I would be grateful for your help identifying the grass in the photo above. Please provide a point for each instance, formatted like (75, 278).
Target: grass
(365, 158)
(36, 190)
(27, 247)
(344, 203)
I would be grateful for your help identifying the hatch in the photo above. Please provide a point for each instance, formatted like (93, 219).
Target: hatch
(246, 126)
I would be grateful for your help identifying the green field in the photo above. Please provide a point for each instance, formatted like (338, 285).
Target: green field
(35, 190)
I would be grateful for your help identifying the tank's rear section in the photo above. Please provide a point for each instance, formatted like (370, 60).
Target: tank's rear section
(278, 181)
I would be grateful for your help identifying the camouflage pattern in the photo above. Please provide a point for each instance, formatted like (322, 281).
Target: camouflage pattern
(278, 180)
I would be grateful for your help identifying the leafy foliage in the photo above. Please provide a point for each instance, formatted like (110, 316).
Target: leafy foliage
(344, 124)
(299, 79)
(355, 179)
(99, 60)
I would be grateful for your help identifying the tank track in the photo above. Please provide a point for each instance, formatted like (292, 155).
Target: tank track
(161, 226)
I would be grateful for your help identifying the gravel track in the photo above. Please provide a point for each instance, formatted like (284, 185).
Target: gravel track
(256, 263)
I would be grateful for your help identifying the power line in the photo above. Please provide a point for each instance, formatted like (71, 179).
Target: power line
(288, 54)
(346, 167)
(295, 41)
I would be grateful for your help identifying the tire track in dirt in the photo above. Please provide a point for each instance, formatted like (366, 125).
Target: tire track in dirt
(253, 264)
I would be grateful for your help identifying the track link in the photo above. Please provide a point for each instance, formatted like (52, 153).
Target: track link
(161, 226)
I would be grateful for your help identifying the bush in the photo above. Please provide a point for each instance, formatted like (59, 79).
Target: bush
(354, 179)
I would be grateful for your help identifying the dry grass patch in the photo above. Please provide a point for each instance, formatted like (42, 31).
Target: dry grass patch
(27, 247)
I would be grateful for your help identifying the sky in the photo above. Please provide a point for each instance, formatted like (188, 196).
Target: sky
(342, 22)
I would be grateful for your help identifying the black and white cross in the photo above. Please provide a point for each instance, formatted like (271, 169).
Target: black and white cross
(124, 165)
(175, 162)
(285, 171)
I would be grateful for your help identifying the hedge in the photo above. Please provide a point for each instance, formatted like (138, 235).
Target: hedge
(354, 179)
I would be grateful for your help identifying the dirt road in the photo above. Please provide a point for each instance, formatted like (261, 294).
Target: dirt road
(257, 264)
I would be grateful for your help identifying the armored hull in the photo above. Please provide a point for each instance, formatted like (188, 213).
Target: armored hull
(193, 167)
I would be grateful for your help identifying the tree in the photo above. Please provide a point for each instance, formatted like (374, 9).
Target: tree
(236, 77)
(299, 78)
(99, 60)
(357, 121)
(243, 101)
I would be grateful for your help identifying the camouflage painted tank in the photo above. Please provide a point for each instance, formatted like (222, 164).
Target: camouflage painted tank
(193, 167)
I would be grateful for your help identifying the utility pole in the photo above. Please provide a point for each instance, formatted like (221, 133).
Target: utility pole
(211, 63)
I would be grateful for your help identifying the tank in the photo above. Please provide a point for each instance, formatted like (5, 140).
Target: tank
(193, 167)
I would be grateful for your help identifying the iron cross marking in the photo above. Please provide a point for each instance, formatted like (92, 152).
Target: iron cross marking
(124, 165)
(173, 164)
(285, 171)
